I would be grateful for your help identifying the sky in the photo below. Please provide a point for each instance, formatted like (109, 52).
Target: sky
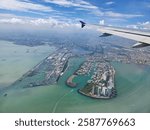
(65, 13)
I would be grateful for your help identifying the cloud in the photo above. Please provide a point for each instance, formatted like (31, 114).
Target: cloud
(73, 3)
(114, 15)
(121, 15)
(57, 18)
(101, 22)
(19, 5)
(109, 3)
(145, 25)
(98, 12)
(5, 15)
(132, 26)
(12, 21)
(38, 22)
(79, 5)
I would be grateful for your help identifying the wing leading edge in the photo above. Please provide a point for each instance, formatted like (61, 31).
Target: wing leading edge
(142, 38)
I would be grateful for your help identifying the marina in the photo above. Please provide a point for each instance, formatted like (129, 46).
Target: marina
(101, 82)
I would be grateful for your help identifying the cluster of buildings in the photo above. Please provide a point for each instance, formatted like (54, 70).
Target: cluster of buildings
(47, 71)
(59, 63)
(128, 55)
(85, 68)
(102, 81)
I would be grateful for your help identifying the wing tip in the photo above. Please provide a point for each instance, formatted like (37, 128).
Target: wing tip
(82, 24)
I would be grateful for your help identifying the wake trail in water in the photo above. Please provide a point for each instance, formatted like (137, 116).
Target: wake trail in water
(60, 99)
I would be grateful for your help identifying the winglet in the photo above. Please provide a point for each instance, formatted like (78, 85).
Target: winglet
(82, 24)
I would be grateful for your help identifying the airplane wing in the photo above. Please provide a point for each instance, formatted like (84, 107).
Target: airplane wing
(142, 38)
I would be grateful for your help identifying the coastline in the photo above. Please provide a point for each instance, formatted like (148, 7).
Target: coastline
(93, 97)
(69, 81)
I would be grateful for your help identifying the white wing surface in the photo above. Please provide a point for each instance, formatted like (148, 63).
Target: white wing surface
(142, 38)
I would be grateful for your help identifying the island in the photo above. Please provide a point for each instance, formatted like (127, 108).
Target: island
(47, 72)
(102, 78)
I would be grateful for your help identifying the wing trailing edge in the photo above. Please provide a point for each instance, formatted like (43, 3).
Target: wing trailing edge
(140, 44)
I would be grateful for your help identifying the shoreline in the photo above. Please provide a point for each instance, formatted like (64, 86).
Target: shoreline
(69, 81)
(93, 97)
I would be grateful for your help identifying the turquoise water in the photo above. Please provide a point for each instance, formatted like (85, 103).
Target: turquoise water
(132, 83)
(16, 60)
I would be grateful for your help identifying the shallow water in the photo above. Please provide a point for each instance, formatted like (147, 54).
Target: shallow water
(132, 83)
(15, 60)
